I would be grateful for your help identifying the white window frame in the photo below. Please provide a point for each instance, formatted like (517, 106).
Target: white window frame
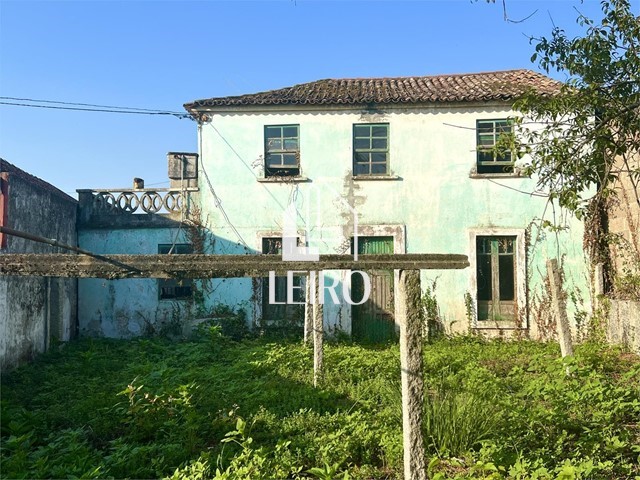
(522, 312)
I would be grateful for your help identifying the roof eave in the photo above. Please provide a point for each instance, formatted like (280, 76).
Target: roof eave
(195, 110)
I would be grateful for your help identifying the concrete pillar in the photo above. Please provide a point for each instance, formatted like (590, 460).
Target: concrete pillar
(559, 308)
(411, 374)
(318, 336)
(308, 306)
(598, 279)
(598, 283)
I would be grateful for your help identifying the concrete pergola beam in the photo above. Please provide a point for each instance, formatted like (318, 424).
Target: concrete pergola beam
(87, 265)
(209, 266)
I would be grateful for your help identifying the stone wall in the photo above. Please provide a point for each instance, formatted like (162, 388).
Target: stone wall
(35, 310)
(624, 223)
(624, 324)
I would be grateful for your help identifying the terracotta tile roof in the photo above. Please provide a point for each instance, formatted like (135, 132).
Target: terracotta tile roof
(504, 85)
(37, 182)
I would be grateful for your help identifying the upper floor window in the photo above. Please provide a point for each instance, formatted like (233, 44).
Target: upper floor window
(173, 288)
(490, 158)
(282, 150)
(371, 149)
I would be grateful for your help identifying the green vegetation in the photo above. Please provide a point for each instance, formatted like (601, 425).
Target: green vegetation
(586, 156)
(216, 408)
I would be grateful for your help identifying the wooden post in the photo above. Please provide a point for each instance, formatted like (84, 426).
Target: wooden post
(318, 336)
(411, 374)
(308, 306)
(559, 308)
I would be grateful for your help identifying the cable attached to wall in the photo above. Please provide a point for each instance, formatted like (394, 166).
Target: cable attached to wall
(252, 172)
(217, 201)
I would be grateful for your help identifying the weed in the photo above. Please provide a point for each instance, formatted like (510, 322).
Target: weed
(433, 326)
(217, 408)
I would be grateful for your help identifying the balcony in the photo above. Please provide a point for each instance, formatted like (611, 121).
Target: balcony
(134, 208)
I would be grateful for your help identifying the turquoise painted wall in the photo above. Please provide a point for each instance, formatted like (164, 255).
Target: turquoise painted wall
(432, 152)
(129, 307)
(431, 204)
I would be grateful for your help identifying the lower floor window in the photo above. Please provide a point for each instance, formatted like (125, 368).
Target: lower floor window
(279, 311)
(496, 277)
(174, 288)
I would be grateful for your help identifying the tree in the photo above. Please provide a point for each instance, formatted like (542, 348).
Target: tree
(592, 132)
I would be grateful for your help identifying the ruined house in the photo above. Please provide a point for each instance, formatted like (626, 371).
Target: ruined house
(378, 165)
(34, 311)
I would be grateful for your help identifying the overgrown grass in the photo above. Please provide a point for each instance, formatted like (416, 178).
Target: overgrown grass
(215, 408)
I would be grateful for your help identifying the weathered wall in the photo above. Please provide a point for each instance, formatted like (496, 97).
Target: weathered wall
(132, 307)
(36, 310)
(431, 194)
(624, 223)
(623, 326)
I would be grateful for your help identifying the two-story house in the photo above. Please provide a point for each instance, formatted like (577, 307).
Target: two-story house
(405, 165)
(371, 165)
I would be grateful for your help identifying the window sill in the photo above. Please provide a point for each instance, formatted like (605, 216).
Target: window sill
(296, 179)
(498, 175)
(376, 177)
(497, 325)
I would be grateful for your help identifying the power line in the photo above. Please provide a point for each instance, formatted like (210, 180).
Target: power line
(102, 110)
(531, 194)
(157, 183)
(251, 170)
(217, 201)
(34, 100)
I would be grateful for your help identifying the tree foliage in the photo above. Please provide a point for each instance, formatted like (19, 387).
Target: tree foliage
(592, 133)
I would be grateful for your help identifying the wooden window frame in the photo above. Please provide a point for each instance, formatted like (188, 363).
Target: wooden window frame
(499, 247)
(299, 291)
(502, 162)
(522, 307)
(281, 169)
(370, 150)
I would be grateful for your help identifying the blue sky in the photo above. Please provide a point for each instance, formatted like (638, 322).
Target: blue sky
(161, 54)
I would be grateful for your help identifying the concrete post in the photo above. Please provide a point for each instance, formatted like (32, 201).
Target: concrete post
(599, 279)
(318, 336)
(411, 374)
(598, 283)
(559, 308)
(308, 306)
(47, 322)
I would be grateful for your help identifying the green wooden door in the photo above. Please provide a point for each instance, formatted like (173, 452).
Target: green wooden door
(372, 322)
